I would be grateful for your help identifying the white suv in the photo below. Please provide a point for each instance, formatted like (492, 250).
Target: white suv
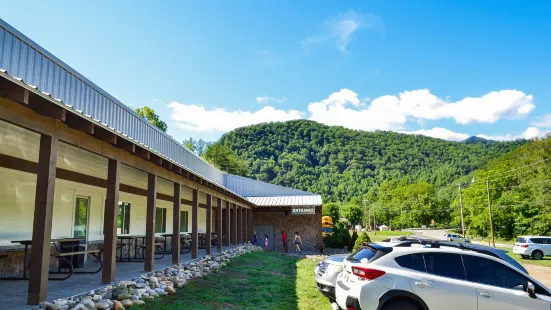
(533, 246)
(456, 238)
(438, 276)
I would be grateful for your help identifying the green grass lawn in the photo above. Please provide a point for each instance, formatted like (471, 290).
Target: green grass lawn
(260, 280)
(546, 261)
(382, 235)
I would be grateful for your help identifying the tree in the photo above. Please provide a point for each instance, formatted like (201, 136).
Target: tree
(331, 209)
(352, 242)
(199, 147)
(363, 237)
(149, 114)
(225, 159)
(353, 214)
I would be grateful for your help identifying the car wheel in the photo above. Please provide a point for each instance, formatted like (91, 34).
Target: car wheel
(524, 256)
(401, 304)
(537, 255)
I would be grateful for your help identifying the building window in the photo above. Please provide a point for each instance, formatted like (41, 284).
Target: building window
(80, 227)
(160, 220)
(183, 221)
(123, 218)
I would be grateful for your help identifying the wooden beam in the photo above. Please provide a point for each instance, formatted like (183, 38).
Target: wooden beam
(176, 223)
(13, 91)
(208, 236)
(42, 222)
(234, 224)
(167, 164)
(105, 135)
(157, 160)
(228, 223)
(110, 220)
(149, 263)
(219, 221)
(46, 107)
(141, 152)
(177, 169)
(126, 145)
(194, 227)
(185, 173)
(76, 122)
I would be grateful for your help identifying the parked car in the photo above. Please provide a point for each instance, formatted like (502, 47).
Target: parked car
(456, 238)
(437, 275)
(326, 273)
(533, 246)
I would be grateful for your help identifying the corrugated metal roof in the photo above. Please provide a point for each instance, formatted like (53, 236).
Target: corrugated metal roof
(26, 60)
(286, 201)
(249, 187)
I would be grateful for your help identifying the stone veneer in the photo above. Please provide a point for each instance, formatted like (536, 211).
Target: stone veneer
(308, 227)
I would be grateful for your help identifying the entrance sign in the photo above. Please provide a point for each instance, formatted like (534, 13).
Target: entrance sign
(303, 210)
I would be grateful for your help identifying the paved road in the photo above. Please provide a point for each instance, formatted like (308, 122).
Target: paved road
(438, 233)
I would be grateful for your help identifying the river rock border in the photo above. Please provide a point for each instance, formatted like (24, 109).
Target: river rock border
(148, 287)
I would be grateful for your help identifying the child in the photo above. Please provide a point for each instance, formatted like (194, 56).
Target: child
(266, 243)
(255, 239)
(297, 242)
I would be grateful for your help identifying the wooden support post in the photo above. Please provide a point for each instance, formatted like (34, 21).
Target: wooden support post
(240, 224)
(176, 224)
(234, 224)
(110, 220)
(228, 223)
(42, 223)
(252, 225)
(194, 232)
(246, 221)
(149, 250)
(208, 237)
(219, 219)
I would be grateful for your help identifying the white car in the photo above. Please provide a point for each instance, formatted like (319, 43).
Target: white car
(442, 275)
(456, 238)
(533, 246)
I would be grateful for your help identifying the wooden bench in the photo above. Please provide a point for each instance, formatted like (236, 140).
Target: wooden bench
(63, 257)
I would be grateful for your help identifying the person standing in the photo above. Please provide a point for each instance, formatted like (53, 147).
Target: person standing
(284, 241)
(266, 243)
(255, 239)
(297, 242)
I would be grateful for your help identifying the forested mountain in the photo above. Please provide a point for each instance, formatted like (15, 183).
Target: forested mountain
(520, 193)
(340, 163)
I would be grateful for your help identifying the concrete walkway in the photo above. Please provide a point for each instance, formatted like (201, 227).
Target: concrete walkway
(13, 294)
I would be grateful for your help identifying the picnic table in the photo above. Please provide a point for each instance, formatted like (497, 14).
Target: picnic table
(185, 243)
(61, 256)
(134, 239)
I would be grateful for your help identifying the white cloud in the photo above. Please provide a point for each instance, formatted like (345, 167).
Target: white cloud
(268, 100)
(528, 133)
(543, 122)
(392, 112)
(341, 28)
(441, 133)
(197, 118)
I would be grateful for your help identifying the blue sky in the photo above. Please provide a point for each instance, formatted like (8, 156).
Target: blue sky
(448, 69)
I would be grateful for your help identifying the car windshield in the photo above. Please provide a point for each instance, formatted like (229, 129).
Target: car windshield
(521, 240)
(367, 253)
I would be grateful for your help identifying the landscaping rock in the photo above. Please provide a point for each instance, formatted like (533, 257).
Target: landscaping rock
(102, 305)
(170, 290)
(138, 302)
(117, 305)
(127, 303)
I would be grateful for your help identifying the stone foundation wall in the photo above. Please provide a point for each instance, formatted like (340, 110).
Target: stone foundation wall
(308, 226)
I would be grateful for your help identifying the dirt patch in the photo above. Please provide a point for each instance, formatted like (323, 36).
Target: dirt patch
(541, 273)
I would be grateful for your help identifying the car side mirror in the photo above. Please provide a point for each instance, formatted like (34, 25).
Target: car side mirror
(531, 290)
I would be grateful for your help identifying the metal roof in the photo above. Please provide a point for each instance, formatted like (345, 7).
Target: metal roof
(284, 201)
(26, 63)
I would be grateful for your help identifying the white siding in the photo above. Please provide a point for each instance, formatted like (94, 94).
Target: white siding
(19, 142)
(133, 177)
(81, 161)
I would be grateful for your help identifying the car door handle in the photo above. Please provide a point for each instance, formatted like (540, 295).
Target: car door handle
(485, 294)
(422, 284)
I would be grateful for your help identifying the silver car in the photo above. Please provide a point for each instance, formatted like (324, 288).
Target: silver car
(326, 273)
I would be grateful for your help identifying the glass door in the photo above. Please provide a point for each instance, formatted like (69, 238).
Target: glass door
(82, 206)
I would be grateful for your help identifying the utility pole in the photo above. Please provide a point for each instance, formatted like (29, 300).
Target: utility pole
(490, 214)
(461, 206)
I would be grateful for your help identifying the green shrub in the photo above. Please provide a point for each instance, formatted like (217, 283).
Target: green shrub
(363, 237)
(352, 241)
(335, 241)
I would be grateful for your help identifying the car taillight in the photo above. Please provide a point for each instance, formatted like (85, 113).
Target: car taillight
(524, 246)
(367, 273)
